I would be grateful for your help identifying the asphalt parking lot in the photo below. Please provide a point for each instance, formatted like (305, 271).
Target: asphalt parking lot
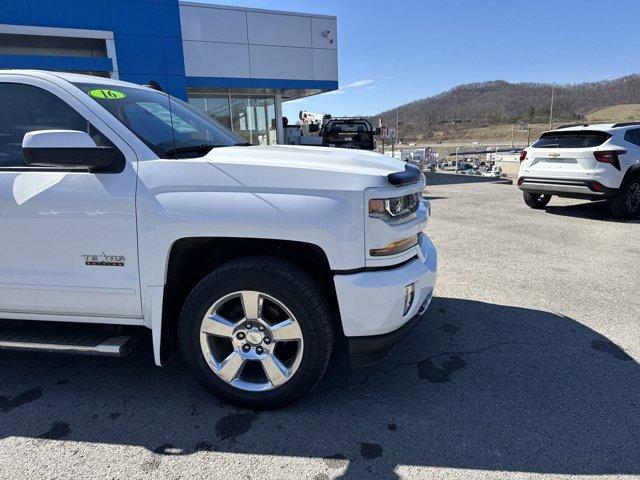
(524, 366)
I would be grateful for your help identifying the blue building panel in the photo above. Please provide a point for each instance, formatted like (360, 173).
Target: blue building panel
(50, 62)
(143, 79)
(262, 83)
(15, 13)
(148, 43)
(92, 15)
(170, 20)
(325, 84)
(177, 86)
(173, 56)
(140, 54)
(292, 84)
(134, 18)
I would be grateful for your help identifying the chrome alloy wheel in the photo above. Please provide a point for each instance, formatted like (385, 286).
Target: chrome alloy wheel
(633, 197)
(251, 341)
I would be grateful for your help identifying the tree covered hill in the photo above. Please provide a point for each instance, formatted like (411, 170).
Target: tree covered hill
(500, 102)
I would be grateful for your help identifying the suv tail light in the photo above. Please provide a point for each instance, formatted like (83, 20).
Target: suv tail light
(609, 156)
(523, 155)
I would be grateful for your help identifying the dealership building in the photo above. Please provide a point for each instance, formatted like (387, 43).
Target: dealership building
(237, 64)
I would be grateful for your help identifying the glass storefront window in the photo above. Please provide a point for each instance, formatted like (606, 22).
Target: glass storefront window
(250, 116)
(243, 119)
(271, 121)
(201, 103)
(216, 107)
(266, 120)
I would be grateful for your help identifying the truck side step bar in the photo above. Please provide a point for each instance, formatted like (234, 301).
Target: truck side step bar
(65, 341)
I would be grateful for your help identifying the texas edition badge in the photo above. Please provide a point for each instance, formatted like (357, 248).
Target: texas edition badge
(104, 260)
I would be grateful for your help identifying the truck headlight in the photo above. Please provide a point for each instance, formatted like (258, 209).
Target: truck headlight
(398, 246)
(394, 210)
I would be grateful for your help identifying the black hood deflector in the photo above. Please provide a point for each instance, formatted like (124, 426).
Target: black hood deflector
(410, 175)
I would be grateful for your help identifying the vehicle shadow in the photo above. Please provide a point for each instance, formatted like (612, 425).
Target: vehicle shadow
(590, 210)
(439, 178)
(477, 386)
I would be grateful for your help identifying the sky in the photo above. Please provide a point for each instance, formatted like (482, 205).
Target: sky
(393, 52)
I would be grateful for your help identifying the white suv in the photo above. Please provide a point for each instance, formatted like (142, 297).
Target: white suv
(593, 162)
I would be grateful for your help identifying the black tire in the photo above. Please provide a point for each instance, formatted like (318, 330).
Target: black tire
(536, 200)
(291, 286)
(627, 204)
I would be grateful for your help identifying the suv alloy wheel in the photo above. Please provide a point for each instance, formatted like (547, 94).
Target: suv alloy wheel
(536, 200)
(627, 203)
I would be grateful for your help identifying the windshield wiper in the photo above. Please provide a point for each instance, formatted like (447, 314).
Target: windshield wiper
(203, 148)
(242, 144)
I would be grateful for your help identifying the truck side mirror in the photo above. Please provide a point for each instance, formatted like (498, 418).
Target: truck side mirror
(67, 148)
(376, 131)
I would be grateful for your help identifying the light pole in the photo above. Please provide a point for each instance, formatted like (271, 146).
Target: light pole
(457, 148)
(553, 87)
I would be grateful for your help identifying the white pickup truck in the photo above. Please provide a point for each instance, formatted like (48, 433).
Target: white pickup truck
(123, 208)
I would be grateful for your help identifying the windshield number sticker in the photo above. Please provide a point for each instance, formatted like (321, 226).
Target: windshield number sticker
(107, 94)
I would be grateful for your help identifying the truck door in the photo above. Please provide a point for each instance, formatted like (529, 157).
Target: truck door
(67, 238)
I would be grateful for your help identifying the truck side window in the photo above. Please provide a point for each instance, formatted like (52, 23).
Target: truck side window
(25, 108)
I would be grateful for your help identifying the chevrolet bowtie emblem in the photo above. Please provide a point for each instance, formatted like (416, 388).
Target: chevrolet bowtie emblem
(554, 154)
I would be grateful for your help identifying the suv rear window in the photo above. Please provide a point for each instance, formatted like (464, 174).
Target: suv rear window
(580, 139)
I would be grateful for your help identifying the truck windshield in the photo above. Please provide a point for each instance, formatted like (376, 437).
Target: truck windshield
(170, 127)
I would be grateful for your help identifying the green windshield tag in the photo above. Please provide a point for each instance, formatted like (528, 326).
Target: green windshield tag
(107, 94)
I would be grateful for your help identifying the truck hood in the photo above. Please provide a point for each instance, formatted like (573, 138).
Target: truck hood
(304, 167)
